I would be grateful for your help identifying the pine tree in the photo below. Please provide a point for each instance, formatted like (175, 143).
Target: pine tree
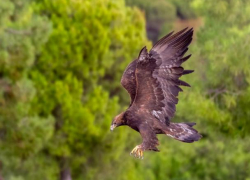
(89, 47)
(22, 131)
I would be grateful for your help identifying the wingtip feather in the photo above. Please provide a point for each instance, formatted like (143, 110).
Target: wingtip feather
(172, 37)
(183, 83)
(187, 72)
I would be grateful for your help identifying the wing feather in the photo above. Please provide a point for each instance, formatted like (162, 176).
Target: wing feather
(128, 80)
(157, 75)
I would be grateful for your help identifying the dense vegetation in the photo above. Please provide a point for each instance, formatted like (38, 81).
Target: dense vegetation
(60, 65)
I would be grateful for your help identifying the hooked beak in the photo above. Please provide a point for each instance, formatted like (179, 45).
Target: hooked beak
(112, 127)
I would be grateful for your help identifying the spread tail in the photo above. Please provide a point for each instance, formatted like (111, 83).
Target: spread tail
(183, 132)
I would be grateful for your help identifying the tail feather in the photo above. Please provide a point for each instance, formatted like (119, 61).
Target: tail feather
(183, 132)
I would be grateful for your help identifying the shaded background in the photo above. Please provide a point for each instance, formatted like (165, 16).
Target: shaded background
(60, 67)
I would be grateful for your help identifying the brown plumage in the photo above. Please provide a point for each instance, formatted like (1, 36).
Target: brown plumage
(152, 80)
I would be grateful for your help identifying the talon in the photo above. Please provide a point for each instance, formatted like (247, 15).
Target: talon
(141, 154)
(137, 152)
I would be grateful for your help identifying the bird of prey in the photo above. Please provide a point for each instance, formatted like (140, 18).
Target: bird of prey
(152, 80)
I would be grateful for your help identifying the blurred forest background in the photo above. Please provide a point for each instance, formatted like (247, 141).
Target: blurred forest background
(60, 67)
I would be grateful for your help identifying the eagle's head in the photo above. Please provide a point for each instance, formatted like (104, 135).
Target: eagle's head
(117, 121)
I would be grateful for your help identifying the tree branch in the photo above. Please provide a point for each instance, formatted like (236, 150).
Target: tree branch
(18, 32)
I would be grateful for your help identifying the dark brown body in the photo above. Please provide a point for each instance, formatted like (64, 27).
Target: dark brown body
(153, 83)
(132, 116)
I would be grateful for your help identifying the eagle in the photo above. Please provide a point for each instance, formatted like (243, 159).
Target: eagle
(152, 80)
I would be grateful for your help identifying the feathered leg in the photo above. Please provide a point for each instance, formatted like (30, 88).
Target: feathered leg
(149, 142)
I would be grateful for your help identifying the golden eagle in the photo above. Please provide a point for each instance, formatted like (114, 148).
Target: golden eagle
(152, 80)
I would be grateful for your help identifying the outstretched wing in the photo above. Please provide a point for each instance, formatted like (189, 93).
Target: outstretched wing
(128, 80)
(158, 72)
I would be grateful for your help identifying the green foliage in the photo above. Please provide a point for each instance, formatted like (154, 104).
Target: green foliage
(160, 16)
(90, 41)
(60, 66)
(184, 9)
(225, 57)
(217, 102)
(23, 132)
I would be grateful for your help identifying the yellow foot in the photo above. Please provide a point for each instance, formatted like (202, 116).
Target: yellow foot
(137, 152)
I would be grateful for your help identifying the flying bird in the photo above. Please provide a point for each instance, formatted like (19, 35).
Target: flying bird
(152, 80)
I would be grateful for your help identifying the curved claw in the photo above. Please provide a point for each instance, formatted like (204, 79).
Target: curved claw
(137, 152)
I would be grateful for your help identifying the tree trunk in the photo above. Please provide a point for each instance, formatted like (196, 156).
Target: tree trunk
(1, 177)
(65, 174)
